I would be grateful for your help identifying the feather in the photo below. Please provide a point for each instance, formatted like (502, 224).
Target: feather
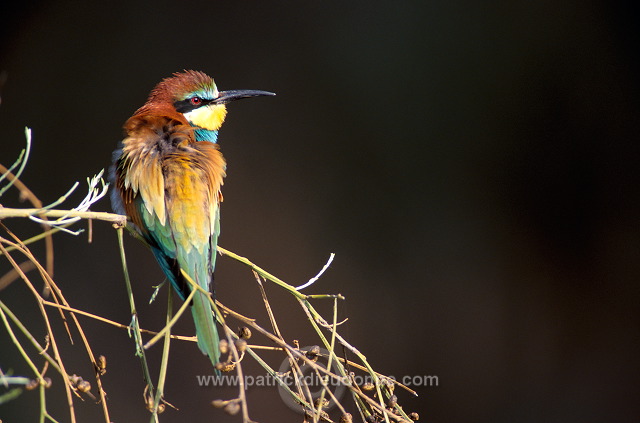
(169, 185)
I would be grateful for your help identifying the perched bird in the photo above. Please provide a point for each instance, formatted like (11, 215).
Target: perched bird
(166, 177)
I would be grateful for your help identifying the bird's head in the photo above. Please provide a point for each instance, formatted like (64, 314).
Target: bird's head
(194, 94)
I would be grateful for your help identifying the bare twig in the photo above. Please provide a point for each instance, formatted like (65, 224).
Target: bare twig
(26, 193)
(316, 277)
(163, 365)
(107, 217)
(21, 162)
(137, 336)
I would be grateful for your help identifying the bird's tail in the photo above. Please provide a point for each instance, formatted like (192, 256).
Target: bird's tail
(206, 329)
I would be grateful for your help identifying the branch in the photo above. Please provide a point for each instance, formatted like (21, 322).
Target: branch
(6, 212)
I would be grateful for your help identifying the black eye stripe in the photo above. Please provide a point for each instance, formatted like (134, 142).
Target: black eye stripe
(186, 105)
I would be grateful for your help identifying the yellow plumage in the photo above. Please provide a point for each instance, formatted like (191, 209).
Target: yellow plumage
(210, 117)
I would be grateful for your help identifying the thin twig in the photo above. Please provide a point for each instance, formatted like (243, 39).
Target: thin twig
(137, 336)
(58, 297)
(174, 319)
(22, 160)
(31, 338)
(309, 362)
(26, 193)
(116, 324)
(165, 360)
(119, 219)
(329, 361)
(316, 277)
(234, 351)
(68, 388)
(303, 390)
(12, 275)
(20, 348)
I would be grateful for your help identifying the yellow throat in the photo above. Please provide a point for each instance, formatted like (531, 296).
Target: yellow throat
(208, 117)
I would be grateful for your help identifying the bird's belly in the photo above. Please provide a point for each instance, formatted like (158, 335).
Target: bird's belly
(188, 205)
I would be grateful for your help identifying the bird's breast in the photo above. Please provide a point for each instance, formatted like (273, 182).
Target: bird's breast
(189, 201)
(176, 181)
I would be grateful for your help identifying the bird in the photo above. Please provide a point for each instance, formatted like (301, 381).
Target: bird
(167, 175)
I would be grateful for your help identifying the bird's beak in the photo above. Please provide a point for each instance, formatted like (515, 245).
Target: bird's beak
(227, 96)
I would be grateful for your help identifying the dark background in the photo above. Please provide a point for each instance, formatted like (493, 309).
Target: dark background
(472, 164)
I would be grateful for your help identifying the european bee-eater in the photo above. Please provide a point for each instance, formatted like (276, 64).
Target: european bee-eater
(167, 176)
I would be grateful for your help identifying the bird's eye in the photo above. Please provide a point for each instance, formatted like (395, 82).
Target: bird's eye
(196, 101)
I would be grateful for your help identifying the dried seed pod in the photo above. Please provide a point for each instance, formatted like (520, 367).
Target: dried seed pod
(218, 403)
(47, 382)
(387, 382)
(232, 408)
(149, 402)
(244, 332)
(346, 418)
(33, 384)
(392, 401)
(101, 364)
(414, 416)
(368, 386)
(224, 346)
(241, 345)
(313, 353)
(161, 408)
(225, 367)
(325, 402)
(84, 386)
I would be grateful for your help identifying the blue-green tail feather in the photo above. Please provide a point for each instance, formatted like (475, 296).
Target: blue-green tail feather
(206, 329)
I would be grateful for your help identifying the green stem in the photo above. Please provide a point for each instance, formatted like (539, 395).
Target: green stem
(22, 159)
(24, 354)
(137, 335)
(165, 358)
(263, 273)
(275, 375)
(13, 380)
(330, 359)
(30, 337)
(37, 237)
(167, 329)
